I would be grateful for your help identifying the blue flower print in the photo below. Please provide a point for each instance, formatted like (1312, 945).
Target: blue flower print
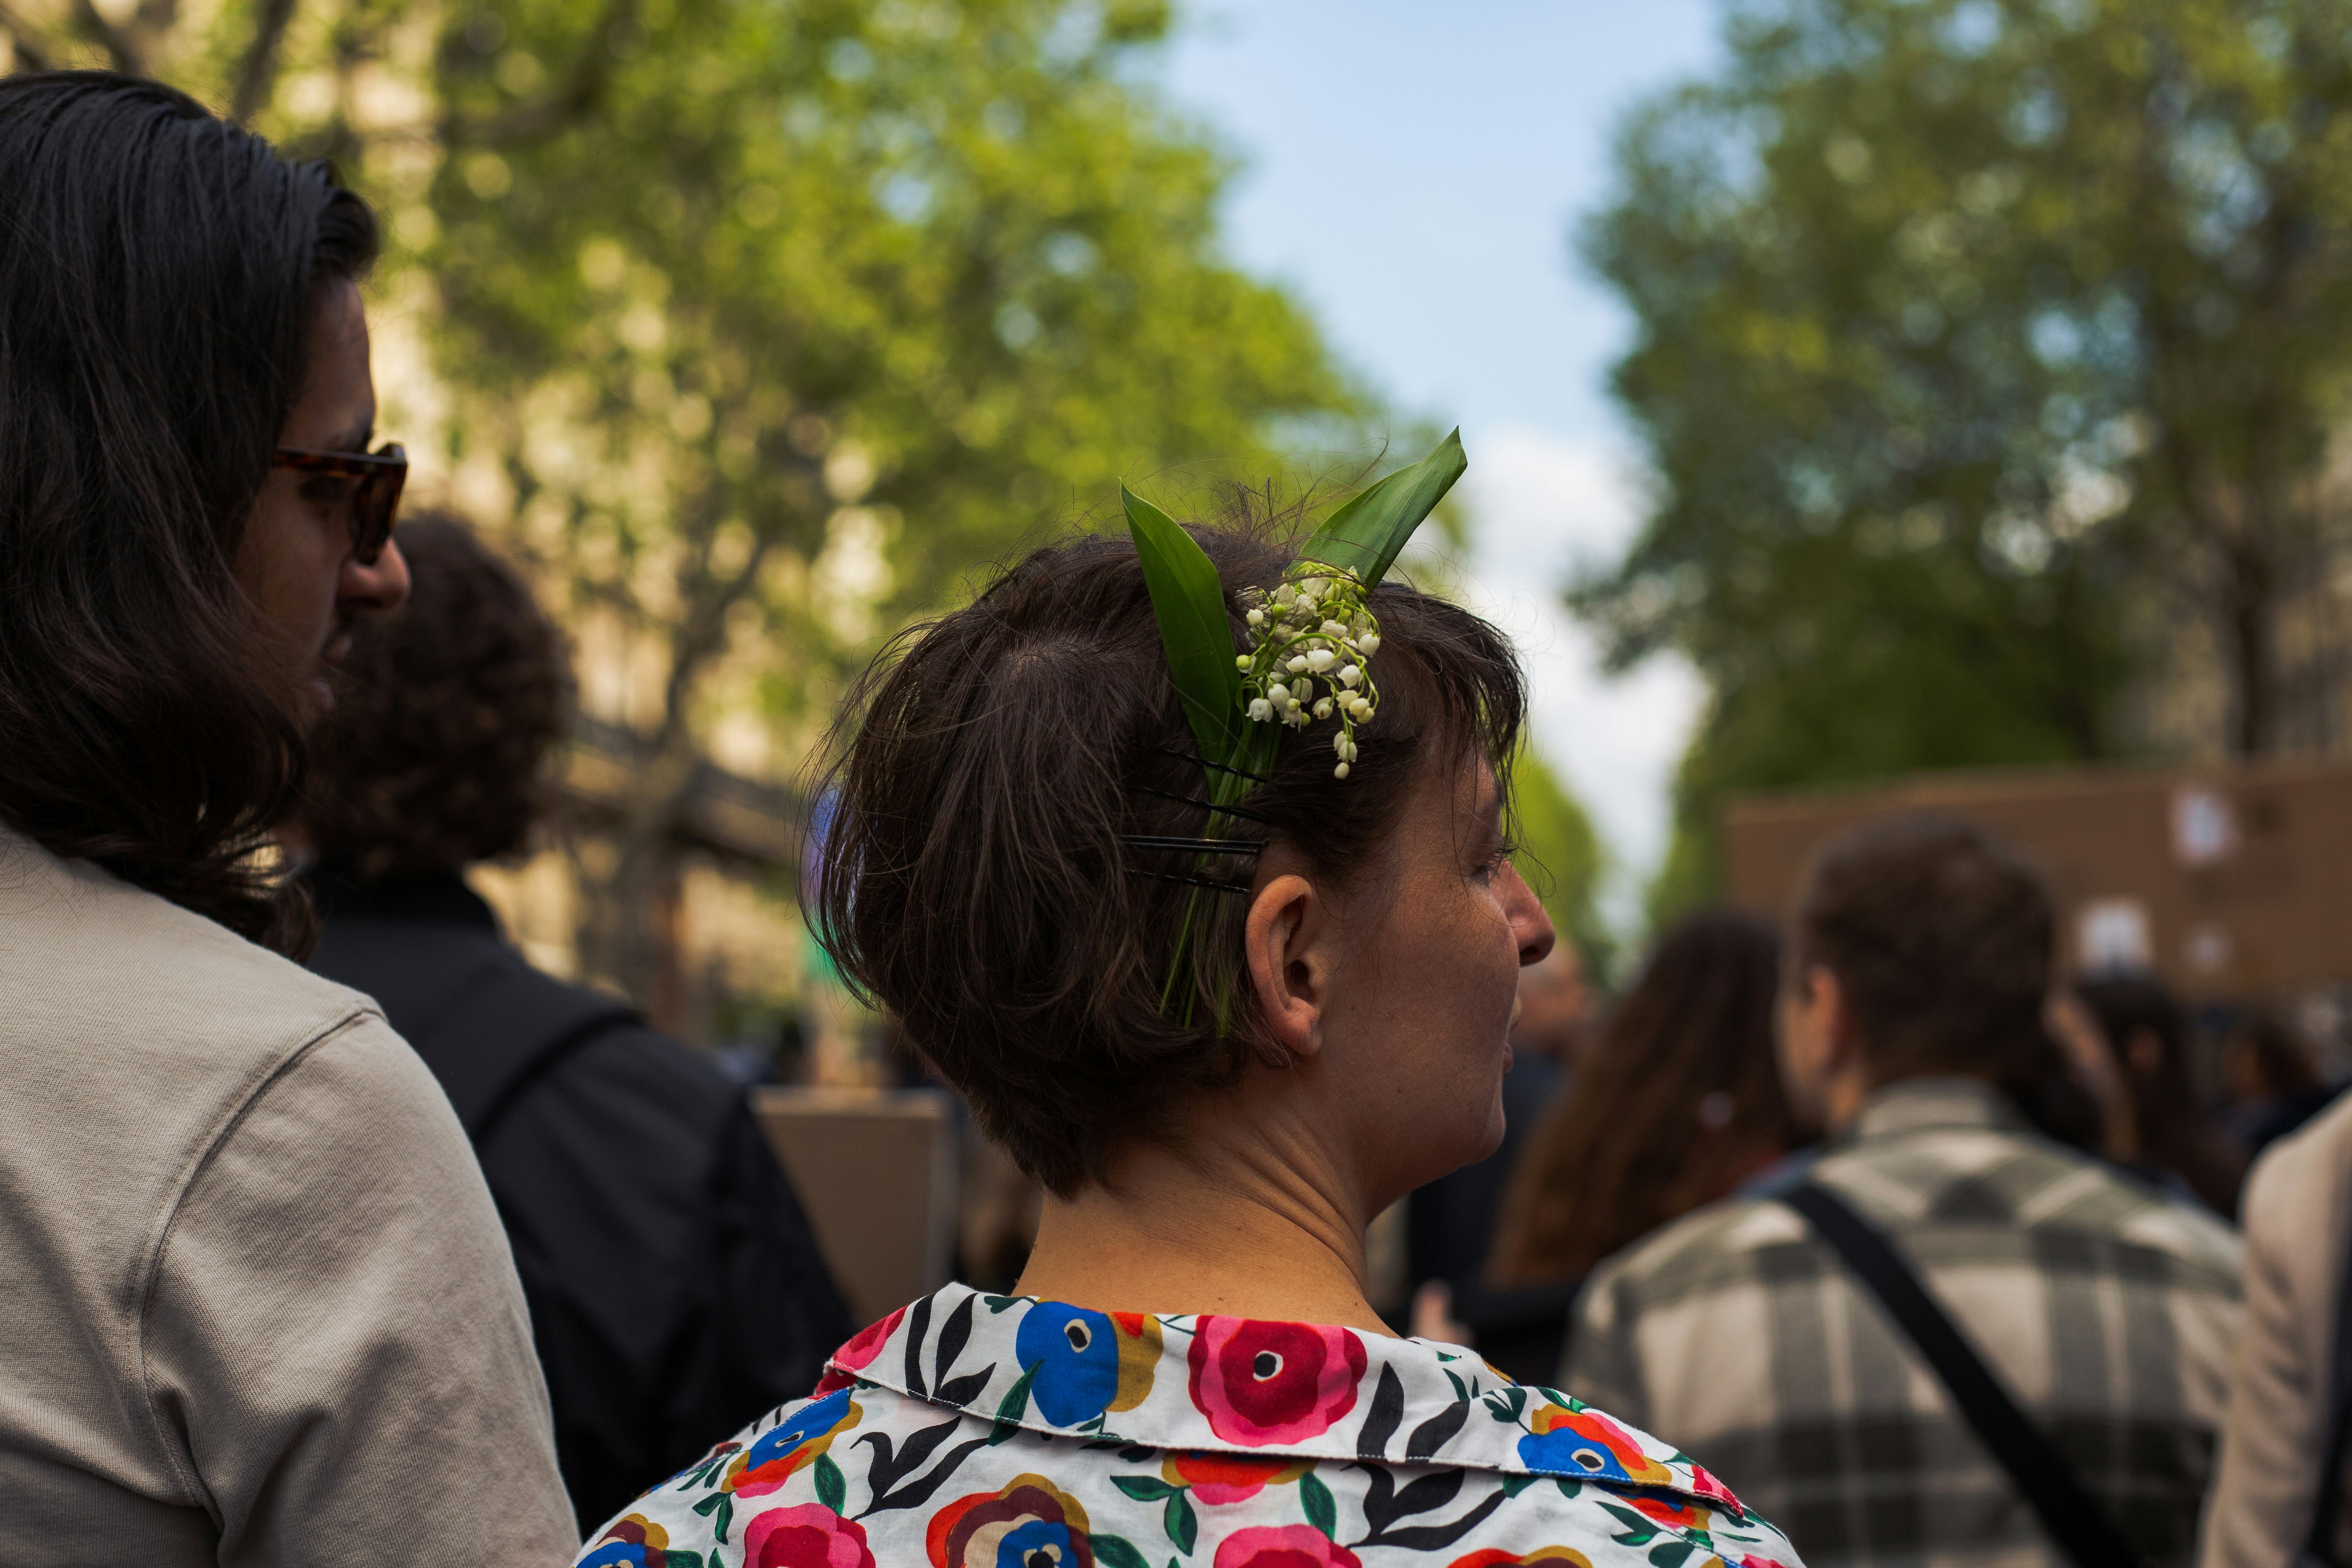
(1038, 1540)
(1076, 1352)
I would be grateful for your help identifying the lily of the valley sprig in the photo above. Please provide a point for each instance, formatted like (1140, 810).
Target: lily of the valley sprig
(1311, 639)
(1314, 640)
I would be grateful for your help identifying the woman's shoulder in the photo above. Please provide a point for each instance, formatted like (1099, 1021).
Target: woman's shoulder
(968, 1431)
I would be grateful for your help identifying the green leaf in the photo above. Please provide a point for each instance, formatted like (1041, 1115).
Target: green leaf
(1365, 535)
(1190, 605)
(1015, 1405)
(721, 1506)
(1670, 1554)
(1183, 1527)
(1316, 1498)
(1116, 1551)
(1514, 1485)
(831, 1490)
(1143, 1489)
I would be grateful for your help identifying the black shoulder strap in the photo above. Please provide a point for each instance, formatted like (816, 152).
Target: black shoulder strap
(2319, 1546)
(501, 1039)
(2079, 1526)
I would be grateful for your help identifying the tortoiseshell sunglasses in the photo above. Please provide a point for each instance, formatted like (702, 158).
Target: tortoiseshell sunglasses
(377, 478)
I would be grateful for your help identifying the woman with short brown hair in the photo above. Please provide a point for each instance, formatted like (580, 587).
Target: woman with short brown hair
(1228, 962)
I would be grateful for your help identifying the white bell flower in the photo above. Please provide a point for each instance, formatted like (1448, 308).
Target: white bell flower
(1318, 660)
(1341, 772)
(1350, 675)
(1260, 710)
(1370, 643)
(1298, 664)
(1278, 693)
(1323, 709)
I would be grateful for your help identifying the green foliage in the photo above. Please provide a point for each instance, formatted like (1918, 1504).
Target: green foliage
(1562, 858)
(1985, 348)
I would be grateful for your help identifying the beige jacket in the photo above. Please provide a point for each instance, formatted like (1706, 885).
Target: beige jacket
(2298, 1217)
(254, 1304)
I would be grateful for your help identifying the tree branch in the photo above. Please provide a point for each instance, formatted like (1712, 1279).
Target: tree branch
(117, 44)
(256, 74)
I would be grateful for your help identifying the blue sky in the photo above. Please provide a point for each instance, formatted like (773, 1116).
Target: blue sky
(1414, 173)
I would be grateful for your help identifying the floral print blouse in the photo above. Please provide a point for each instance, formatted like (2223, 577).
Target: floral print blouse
(972, 1431)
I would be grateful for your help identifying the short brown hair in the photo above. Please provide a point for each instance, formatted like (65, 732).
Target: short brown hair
(1941, 940)
(971, 878)
(446, 711)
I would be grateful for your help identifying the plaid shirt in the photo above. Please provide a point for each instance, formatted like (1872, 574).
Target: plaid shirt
(2108, 1310)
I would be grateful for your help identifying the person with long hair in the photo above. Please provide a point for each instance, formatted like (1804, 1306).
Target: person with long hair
(1225, 1013)
(257, 1298)
(2160, 1128)
(1675, 1104)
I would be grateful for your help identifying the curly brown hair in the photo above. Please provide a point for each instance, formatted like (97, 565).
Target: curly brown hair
(447, 711)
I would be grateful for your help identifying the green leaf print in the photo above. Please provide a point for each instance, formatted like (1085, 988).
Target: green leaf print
(1116, 1551)
(1183, 1527)
(721, 1506)
(1144, 1489)
(1015, 1403)
(831, 1490)
(1670, 1554)
(1321, 1511)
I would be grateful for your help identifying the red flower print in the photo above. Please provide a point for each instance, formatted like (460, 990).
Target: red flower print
(866, 1343)
(1217, 1479)
(1283, 1546)
(1541, 1557)
(1027, 1518)
(809, 1536)
(1263, 1382)
(1680, 1512)
(1704, 1483)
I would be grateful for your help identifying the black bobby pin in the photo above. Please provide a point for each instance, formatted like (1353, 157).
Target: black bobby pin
(1237, 773)
(1205, 804)
(1190, 881)
(1198, 845)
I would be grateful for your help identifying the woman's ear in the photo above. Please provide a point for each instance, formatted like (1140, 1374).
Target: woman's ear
(1283, 944)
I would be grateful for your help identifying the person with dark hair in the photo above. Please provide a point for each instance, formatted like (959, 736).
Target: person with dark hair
(1226, 1014)
(1950, 1338)
(2272, 1083)
(2162, 1132)
(603, 1139)
(258, 1302)
(1677, 1104)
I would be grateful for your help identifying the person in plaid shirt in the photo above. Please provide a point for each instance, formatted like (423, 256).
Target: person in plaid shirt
(1910, 1028)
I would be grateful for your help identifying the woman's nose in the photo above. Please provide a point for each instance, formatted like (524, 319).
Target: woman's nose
(375, 588)
(1530, 923)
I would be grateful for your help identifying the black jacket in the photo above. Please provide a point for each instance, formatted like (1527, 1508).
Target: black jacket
(674, 1289)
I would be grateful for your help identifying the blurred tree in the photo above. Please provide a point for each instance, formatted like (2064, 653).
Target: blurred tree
(1562, 858)
(757, 327)
(1989, 351)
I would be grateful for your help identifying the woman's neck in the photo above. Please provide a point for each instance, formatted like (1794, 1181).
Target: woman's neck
(1243, 1226)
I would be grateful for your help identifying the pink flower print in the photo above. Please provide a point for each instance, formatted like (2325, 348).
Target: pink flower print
(1261, 1382)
